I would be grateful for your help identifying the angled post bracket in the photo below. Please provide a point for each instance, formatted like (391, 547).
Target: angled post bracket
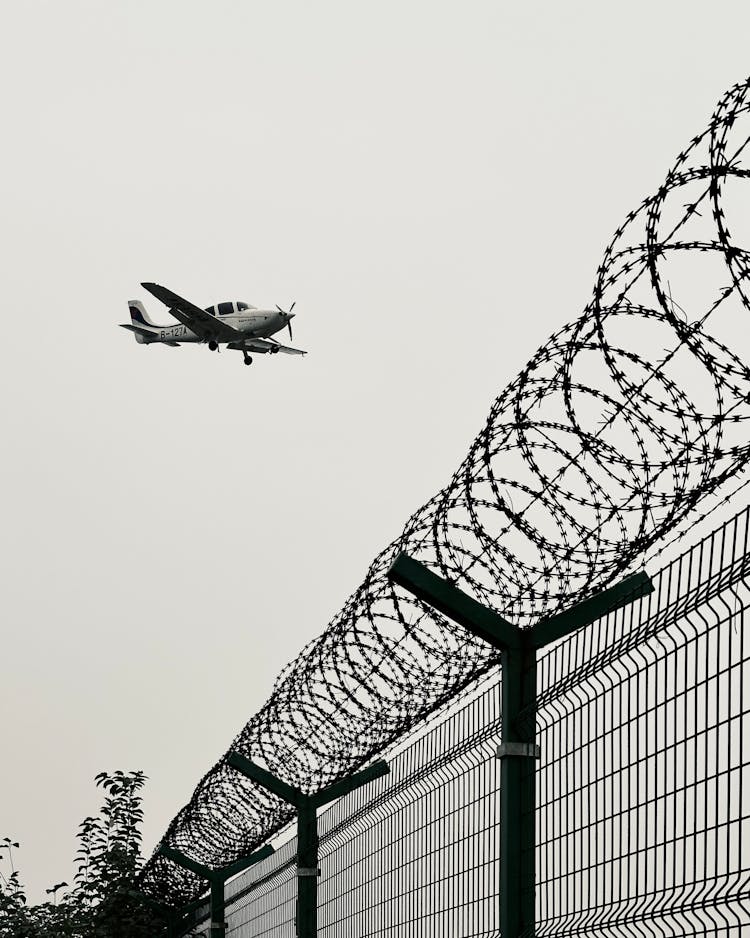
(244, 863)
(589, 610)
(176, 856)
(518, 750)
(216, 879)
(347, 785)
(307, 806)
(421, 582)
(448, 599)
(266, 779)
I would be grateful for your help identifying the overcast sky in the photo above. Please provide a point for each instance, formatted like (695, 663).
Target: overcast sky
(433, 183)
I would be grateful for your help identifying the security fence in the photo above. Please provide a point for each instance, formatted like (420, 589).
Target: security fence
(642, 788)
(616, 433)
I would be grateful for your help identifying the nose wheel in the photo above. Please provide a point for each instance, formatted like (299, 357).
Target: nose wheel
(213, 345)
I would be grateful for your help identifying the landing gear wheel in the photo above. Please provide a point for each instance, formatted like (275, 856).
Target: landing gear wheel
(213, 345)
(248, 360)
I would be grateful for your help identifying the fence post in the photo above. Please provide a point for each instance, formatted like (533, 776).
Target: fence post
(307, 827)
(517, 753)
(518, 749)
(217, 908)
(216, 880)
(307, 871)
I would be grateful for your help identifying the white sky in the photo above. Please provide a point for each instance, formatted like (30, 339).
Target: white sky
(432, 183)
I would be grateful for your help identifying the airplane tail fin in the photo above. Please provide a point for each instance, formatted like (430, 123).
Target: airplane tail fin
(138, 314)
(142, 327)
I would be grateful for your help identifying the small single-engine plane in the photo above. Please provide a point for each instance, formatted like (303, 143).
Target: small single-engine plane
(236, 325)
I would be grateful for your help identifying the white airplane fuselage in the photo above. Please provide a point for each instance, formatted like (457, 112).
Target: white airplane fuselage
(255, 323)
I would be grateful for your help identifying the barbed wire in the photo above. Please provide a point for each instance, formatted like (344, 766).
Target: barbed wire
(615, 430)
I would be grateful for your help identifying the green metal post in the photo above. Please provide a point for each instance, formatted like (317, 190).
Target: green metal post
(307, 871)
(217, 907)
(527, 858)
(518, 750)
(517, 793)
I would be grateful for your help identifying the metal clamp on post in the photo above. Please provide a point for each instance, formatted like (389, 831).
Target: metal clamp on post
(524, 750)
(308, 871)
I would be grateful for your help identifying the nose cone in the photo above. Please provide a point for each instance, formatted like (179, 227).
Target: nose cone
(291, 315)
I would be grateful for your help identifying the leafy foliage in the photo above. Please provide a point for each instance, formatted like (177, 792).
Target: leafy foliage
(102, 902)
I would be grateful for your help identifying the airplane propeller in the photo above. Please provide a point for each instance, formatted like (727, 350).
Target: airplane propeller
(289, 321)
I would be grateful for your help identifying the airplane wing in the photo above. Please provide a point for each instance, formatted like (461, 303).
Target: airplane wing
(278, 347)
(262, 346)
(196, 319)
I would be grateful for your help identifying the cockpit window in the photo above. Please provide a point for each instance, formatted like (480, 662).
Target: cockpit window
(226, 309)
(241, 307)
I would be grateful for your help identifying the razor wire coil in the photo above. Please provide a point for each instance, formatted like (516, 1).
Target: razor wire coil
(621, 424)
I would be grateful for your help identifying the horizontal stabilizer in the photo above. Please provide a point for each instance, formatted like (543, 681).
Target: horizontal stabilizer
(139, 330)
(146, 336)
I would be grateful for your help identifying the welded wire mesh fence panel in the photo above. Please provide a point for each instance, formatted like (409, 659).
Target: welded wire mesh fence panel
(263, 901)
(643, 788)
(416, 853)
(643, 804)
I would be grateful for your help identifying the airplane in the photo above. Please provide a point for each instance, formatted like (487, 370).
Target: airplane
(236, 325)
